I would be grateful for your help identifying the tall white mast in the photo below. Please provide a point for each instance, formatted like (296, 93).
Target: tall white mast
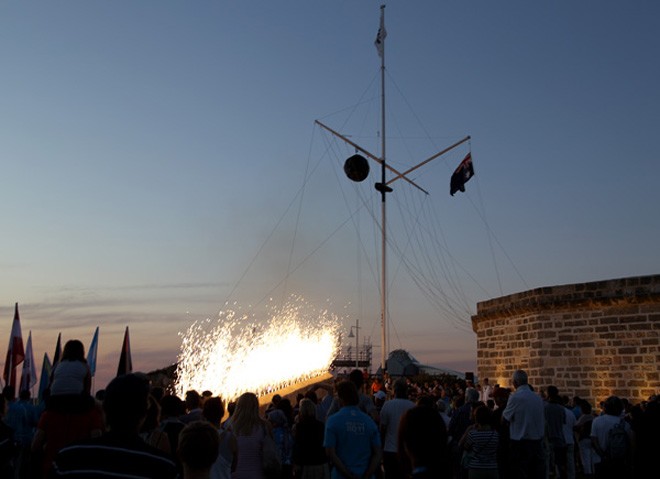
(383, 191)
(383, 186)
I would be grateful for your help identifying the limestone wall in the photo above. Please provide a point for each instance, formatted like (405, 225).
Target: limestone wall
(591, 340)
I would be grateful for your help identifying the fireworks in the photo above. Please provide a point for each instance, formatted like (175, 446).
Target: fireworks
(239, 353)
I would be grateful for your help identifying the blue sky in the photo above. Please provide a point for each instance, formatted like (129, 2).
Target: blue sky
(154, 159)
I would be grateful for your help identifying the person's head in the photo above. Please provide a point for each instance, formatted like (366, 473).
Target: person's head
(126, 402)
(172, 406)
(73, 351)
(426, 400)
(501, 397)
(348, 393)
(193, 400)
(9, 393)
(400, 389)
(246, 414)
(585, 406)
(231, 407)
(277, 418)
(519, 378)
(441, 406)
(276, 399)
(24, 395)
(307, 409)
(213, 410)
(152, 420)
(286, 407)
(311, 395)
(482, 415)
(357, 378)
(423, 438)
(613, 406)
(199, 444)
(553, 393)
(471, 395)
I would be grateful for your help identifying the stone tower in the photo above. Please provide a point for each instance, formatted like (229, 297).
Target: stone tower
(592, 340)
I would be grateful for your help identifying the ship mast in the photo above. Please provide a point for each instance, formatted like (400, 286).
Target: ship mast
(383, 186)
(383, 193)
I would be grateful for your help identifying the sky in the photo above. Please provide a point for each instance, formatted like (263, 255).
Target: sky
(160, 159)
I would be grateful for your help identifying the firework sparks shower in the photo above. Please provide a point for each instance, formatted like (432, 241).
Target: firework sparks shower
(239, 353)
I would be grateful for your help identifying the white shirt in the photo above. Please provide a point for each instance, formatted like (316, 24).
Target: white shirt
(600, 429)
(390, 416)
(486, 393)
(69, 377)
(524, 412)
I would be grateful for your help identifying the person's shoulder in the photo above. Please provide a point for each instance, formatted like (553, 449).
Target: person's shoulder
(109, 454)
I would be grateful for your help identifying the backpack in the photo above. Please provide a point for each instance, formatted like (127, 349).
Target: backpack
(618, 442)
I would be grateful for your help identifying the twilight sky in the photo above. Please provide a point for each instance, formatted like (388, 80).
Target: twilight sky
(160, 158)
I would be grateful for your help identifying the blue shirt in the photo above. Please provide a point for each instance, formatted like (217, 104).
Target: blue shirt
(353, 435)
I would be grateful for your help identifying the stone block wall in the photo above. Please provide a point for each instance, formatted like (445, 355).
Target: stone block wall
(591, 340)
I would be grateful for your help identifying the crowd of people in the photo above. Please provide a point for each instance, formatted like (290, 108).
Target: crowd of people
(356, 427)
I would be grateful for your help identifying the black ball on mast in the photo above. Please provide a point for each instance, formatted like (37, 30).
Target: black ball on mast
(356, 168)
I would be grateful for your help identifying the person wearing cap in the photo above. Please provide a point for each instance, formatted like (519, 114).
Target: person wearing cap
(120, 451)
(390, 417)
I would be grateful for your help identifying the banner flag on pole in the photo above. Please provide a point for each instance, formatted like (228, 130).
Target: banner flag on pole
(15, 351)
(44, 380)
(29, 374)
(382, 33)
(92, 352)
(461, 175)
(58, 350)
(125, 361)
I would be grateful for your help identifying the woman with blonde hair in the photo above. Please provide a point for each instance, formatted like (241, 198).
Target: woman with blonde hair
(250, 431)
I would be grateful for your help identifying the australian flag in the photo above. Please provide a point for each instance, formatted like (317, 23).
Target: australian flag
(461, 175)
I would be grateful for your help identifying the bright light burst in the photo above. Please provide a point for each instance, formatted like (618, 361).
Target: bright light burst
(240, 353)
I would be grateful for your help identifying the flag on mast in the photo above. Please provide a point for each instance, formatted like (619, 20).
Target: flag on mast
(461, 175)
(44, 380)
(29, 374)
(125, 361)
(92, 352)
(58, 350)
(382, 33)
(15, 351)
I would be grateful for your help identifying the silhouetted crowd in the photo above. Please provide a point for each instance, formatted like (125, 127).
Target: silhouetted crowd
(355, 427)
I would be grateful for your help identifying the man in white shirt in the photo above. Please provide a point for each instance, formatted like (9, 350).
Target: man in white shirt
(524, 413)
(605, 465)
(390, 417)
(486, 392)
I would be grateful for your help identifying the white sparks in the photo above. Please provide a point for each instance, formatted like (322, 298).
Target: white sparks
(240, 354)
